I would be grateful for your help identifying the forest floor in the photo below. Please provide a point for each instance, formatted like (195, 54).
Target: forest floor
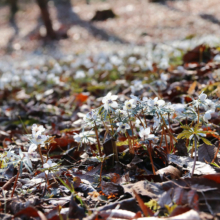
(94, 129)
(137, 22)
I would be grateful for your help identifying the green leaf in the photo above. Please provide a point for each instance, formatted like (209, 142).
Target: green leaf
(206, 141)
(184, 134)
(185, 127)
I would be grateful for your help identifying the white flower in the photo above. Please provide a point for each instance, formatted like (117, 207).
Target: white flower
(37, 137)
(209, 105)
(109, 101)
(137, 86)
(91, 72)
(145, 65)
(129, 104)
(131, 60)
(84, 137)
(202, 97)
(32, 149)
(77, 138)
(29, 154)
(11, 154)
(122, 127)
(49, 165)
(138, 123)
(120, 113)
(90, 116)
(164, 64)
(217, 58)
(108, 66)
(201, 101)
(156, 122)
(207, 116)
(179, 108)
(37, 129)
(164, 77)
(79, 74)
(145, 134)
(135, 98)
(155, 103)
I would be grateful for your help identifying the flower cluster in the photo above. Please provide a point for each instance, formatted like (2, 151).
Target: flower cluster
(129, 118)
(37, 138)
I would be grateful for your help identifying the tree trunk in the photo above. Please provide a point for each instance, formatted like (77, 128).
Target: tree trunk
(14, 9)
(46, 18)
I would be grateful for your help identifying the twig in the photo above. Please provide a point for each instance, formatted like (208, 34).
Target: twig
(7, 185)
(194, 164)
(151, 159)
(16, 180)
(209, 207)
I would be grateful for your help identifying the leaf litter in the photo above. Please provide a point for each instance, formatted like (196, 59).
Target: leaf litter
(112, 135)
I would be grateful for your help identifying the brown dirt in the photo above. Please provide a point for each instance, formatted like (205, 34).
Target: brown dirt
(138, 22)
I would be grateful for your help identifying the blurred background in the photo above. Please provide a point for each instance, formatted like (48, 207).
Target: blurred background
(74, 26)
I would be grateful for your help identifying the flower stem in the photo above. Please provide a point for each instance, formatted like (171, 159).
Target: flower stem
(41, 157)
(131, 150)
(110, 120)
(140, 121)
(151, 159)
(16, 180)
(144, 119)
(194, 164)
(165, 136)
(161, 140)
(171, 138)
(131, 128)
(97, 137)
(168, 129)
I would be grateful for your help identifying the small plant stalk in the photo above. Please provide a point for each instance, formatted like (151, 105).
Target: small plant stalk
(140, 121)
(151, 159)
(98, 142)
(115, 150)
(194, 164)
(192, 151)
(171, 138)
(41, 157)
(110, 121)
(131, 150)
(131, 127)
(165, 136)
(16, 180)
(164, 123)
(144, 118)
(161, 140)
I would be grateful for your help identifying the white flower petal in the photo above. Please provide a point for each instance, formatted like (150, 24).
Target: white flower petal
(191, 136)
(114, 97)
(106, 106)
(114, 104)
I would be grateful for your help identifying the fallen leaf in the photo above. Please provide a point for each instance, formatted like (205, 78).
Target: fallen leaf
(110, 188)
(170, 172)
(30, 212)
(207, 152)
